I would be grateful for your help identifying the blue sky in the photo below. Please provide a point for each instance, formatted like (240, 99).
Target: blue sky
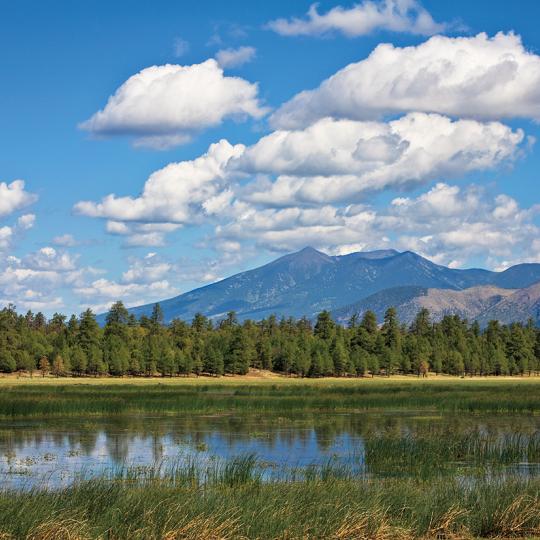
(445, 165)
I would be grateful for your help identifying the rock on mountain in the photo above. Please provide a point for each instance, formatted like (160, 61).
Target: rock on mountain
(308, 281)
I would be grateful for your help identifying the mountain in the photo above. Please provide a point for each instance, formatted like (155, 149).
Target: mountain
(308, 281)
(517, 307)
(469, 303)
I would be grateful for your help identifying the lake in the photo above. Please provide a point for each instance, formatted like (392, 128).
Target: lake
(55, 452)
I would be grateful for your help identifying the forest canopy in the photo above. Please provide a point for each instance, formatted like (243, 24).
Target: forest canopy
(146, 347)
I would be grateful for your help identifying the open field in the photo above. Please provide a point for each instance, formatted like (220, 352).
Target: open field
(256, 377)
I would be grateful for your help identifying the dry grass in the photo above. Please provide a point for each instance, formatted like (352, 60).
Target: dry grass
(257, 377)
(373, 525)
(520, 518)
(63, 529)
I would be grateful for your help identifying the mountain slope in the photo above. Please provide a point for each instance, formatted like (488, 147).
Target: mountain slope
(308, 281)
(518, 307)
(468, 303)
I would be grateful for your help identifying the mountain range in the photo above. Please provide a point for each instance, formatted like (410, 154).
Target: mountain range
(309, 281)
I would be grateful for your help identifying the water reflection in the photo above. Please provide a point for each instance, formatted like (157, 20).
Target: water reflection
(57, 451)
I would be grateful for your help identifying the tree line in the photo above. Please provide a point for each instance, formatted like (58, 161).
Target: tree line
(146, 346)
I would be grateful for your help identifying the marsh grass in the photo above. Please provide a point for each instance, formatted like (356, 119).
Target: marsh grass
(432, 453)
(35, 400)
(408, 483)
(236, 505)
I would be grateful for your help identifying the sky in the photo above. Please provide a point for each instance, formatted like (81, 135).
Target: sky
(147, 148)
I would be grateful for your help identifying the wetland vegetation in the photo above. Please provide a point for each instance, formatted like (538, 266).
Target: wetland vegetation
(270, 458)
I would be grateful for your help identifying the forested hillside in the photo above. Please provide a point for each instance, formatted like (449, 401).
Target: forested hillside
(144, 347)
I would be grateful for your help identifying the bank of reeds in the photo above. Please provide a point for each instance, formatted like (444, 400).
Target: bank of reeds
(432, 453)
(236, 505)
(283, 398)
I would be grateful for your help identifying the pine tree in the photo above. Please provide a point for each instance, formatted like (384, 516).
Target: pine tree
(325, 326)
(340, 358)
(7, 361)
(79, 362)
(58, 366)
(44, 365)
(156, 319)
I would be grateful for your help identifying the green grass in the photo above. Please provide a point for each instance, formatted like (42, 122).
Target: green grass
(236, 505)
(445, 479)
(60, 399)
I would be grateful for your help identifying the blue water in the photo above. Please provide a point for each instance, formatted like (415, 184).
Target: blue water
(56, 452)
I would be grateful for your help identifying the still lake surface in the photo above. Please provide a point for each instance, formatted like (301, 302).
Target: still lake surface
(55, 452)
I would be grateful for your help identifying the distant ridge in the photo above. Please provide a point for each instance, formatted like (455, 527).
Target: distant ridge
(308, 281)
(472, 303)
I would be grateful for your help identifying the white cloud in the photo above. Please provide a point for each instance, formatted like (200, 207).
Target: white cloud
(480, 77)
(154, 239)
(181, 47)
(36, 280)
(65, 240)
(331, 161)
(448, 224)
(48, 258)
(26, 221)
(340, 160)
(141, 234)
(164, 105)
(112, 227)
(361, 19)
(8, 234)
(228, 58)
(146, 270)
(107, 289)
(175, 194)
(13, 197)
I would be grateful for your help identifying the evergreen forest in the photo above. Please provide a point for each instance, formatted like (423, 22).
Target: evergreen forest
(126, 346)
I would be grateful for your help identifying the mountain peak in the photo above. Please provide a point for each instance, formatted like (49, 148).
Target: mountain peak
(310, 250)
(308, 281)
(307, 256)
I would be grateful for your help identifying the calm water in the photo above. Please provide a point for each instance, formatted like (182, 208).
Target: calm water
(58, 451)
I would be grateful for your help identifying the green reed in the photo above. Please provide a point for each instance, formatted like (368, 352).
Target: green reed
(283, 398)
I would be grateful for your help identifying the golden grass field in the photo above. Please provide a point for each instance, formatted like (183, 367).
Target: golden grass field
(260, 377)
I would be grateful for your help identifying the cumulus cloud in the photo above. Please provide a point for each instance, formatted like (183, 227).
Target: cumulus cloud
(150, 279)
(331, 161)
(131, 293)
(148, 269)
(340, 160)
(447, 223)
(480, 77)
(163, 106)
(174, 194)
(228, 58)
(36, 280)
(26, 221)
(48, 258)
(65, 240)
(452, 224)
(361, 19)
(8, 234)
(13, 197)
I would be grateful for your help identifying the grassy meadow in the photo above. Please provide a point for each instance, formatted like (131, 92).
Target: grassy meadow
(441, 481)
(45, 397)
